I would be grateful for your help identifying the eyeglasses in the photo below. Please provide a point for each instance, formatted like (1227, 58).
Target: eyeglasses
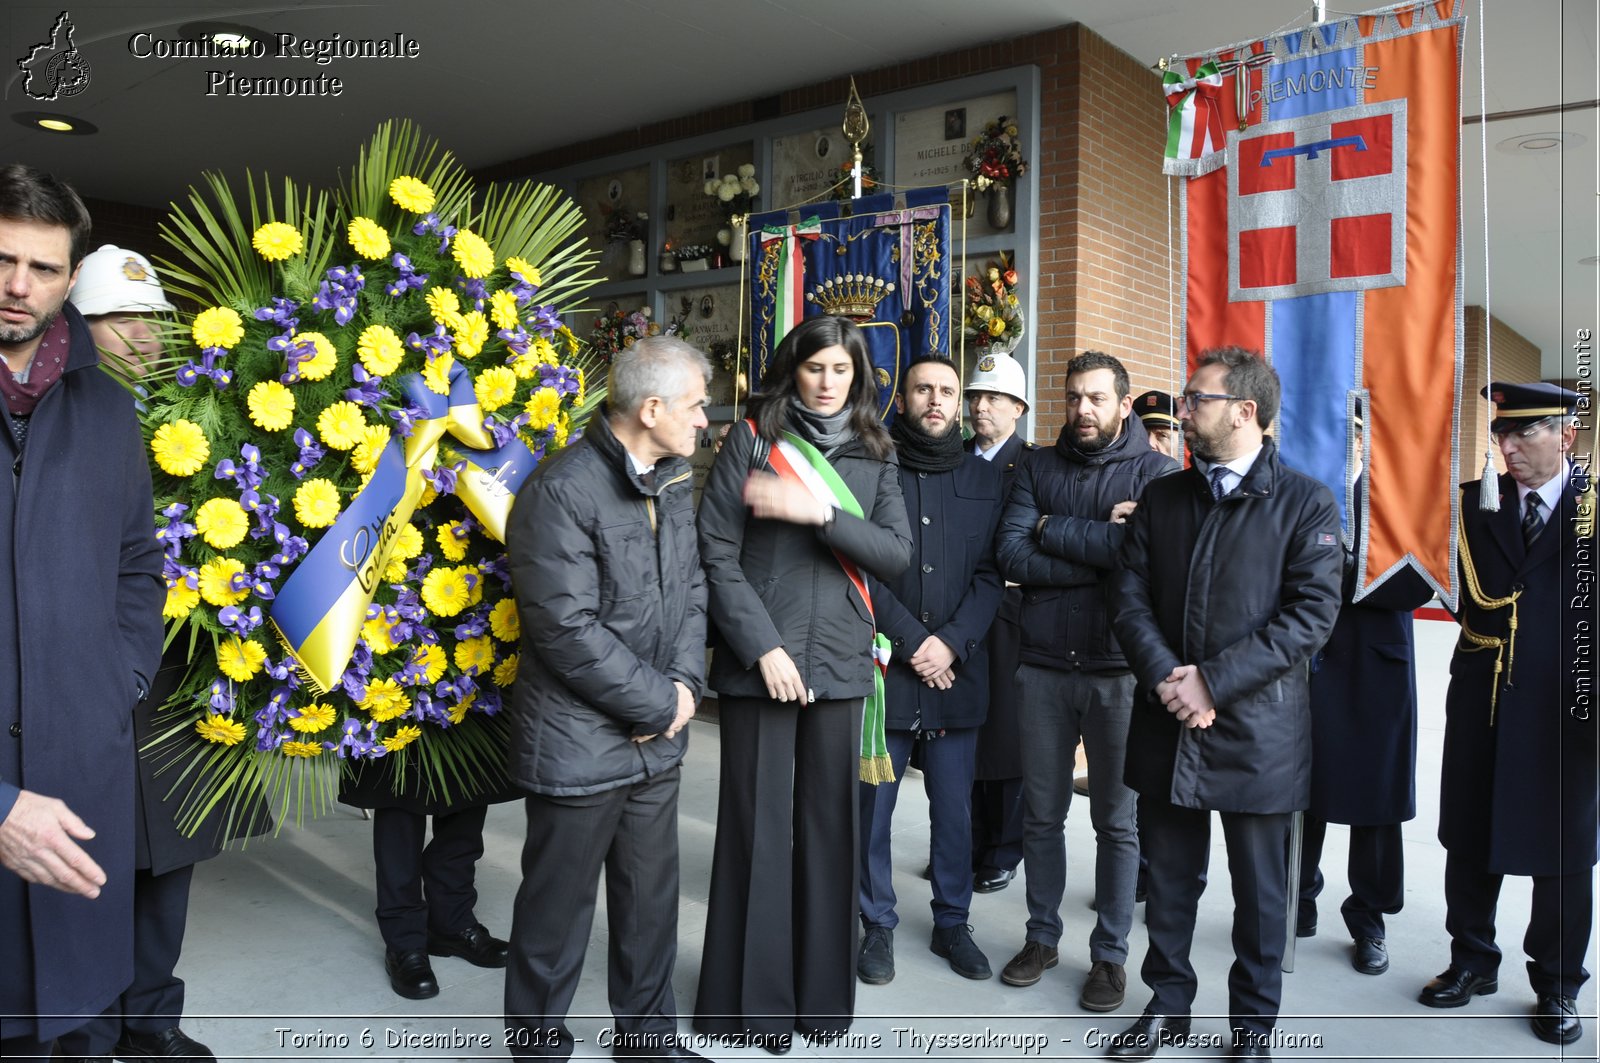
(1191, 400)
(1524, 431)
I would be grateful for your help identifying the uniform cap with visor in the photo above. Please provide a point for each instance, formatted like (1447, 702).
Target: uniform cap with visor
(114, 280)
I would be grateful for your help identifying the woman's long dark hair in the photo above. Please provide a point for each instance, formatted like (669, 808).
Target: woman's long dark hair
(769, 407)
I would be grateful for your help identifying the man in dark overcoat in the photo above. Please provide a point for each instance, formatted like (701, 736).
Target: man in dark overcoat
(1364, 748)
(936, 689)
(80, 567)
(1229, 584)
(997, 398)
(1518, 786)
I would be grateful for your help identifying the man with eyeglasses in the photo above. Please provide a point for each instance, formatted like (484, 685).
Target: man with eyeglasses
(1229, 584)
(1518, 788)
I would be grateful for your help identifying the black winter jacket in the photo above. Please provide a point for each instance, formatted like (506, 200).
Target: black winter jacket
(950, 590)
(1247, 588)
(779, 584)
(1064, 623)
(612, 601)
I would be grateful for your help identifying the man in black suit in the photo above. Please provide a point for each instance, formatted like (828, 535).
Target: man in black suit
(1517, 793)
(1229, 584)
(997, 399)
(1364, 746)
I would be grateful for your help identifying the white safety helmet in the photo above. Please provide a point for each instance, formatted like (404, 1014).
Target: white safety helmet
(115, 280)
(1000, 373)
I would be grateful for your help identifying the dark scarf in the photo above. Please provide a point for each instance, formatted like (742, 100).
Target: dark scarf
(826, 432)
(49, 362)
(921, 452)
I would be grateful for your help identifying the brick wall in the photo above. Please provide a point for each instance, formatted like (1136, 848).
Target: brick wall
(1515, 358)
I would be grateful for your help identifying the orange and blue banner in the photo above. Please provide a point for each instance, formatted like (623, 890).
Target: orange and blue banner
(1325, 232)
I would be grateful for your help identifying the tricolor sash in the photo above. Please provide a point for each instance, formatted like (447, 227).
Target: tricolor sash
(795, 459)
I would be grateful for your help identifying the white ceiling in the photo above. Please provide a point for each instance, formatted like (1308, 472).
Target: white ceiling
(501, 80)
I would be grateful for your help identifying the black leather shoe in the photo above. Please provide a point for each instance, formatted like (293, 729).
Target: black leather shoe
(171, 1043)
(1305, 921)
(1371, 956)
(1149, 1033)
(1556, 1019)
(992, 881)
(410, 974)
(1454, 988)
(474, 944)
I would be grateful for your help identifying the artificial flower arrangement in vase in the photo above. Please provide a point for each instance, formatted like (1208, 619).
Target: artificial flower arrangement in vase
(337, 440)
(736, 193)
(992, 313)
(618, 328)
(630, 227)
(994, 159)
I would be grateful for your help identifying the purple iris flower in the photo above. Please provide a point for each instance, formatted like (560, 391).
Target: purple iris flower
(338, 292)
(284, 671)
(172, 572)
(427, 710)
(518, 340)
(239, 581)
(420, 569)
(175, 531)
(353, 743)
(275, 711)
(545, 321)
(368, 391)
(499, 568)
(473, 624)
(443, 477)
(267, 740)
(266, 511)
(294, 352)
(280, 313)
(440, 343)
(245, 476)
(503, 432)
(563, 378)
(455, 690)
(474, 289)
(311, 452)
(221, 700)
(189, 374)
(239, 621)
(407, 278)
(291, 548)
(405, 418)
(353, 685)
(488, 701)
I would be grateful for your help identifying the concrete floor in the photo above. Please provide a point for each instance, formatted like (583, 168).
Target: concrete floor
(283, 959)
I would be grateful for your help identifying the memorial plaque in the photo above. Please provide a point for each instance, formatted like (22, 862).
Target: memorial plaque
(930, 145)
(710, 317)
(692, 216)
(806, 165)
(602, 196)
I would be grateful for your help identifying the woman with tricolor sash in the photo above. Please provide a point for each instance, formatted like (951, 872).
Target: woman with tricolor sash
(802, 506)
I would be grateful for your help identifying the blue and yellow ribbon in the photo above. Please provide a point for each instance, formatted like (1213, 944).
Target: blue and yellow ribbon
(320, 609)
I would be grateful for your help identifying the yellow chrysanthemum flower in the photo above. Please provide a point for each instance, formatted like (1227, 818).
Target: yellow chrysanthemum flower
(385, 700)
(380, 350)
(271, 406)
(368, 238)
(504, 623)
(472, 253)
(220, 326)
(433, 662)
(471, 332)
(341, 425)
(446, 591)
(402, 738)
(411, 194)
(374, 438)
(180, 448)
(407, 543)
(458, 712)
(216, 581)
(452, 546)
(495, 387)
(181, 600)
(503, 309)
(475, 655)
(525, 367)
(325, 361)
(563, 429)
(240, 659)
(529, 271)
(292, 748)
(394, 571)
(542, 407)
(506, 671)
(315, 717)
(429, 496)
(222, 523)
(219, 729)
(316, 503)
(436, 374)
(545, 351)
(276, 241)
(379, 636)
(442, 304)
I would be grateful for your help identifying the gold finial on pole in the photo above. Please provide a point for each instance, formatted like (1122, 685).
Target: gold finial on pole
(856, 126)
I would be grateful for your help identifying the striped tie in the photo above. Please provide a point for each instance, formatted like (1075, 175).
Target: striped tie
(1532, 521)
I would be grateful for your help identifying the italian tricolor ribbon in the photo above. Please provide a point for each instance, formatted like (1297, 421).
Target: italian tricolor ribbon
(1194, 126)
(790, 300)
(795, 459)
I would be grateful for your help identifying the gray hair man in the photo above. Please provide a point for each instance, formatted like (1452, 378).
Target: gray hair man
(612, 599)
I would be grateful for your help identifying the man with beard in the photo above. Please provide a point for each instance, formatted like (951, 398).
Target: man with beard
(80, 631)
(1229, 583)
(1064, 523)
(936, 690)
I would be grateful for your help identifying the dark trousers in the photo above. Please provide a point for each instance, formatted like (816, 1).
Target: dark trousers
(996, 825)
(1178, 841)
(1558, 924)
(780, 947)
(1376, 871)
(154, 1000)
(425, 887)
(631, 831)
(947, 778)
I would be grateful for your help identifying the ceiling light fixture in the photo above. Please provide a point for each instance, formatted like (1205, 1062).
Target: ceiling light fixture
(52, 122)
(1540, 143)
